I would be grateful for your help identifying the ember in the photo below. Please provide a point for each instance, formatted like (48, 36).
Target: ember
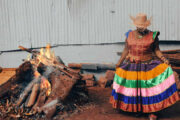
(45, 85)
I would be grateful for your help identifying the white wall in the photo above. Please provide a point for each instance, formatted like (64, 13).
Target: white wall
(34, 23)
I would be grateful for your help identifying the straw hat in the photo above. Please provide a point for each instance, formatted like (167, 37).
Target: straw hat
(141, 20)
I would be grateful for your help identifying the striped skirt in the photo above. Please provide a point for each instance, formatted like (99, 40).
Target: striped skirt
(144, 87)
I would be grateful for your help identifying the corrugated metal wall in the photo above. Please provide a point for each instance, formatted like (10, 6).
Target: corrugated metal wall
(33, 23)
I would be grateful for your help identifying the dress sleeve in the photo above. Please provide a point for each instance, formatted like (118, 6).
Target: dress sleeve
(127, 33)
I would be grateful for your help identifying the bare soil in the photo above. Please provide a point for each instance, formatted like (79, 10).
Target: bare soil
(99, 108)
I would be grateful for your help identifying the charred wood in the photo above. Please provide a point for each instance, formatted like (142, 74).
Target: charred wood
(33, 95)
(59, 60)
(40, 100)
(61, 85)
(26, 91)
(24, 72)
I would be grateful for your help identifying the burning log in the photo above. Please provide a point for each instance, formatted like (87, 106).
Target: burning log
(45, 90)
(40, 100)
(45, 60)
(33, 95)
(27, 90)
(45, 84)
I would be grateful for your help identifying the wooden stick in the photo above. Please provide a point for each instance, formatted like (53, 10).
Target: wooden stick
(40, 100)
(27, 90)
(33, 95)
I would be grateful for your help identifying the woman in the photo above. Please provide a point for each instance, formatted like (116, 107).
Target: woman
(144, 82)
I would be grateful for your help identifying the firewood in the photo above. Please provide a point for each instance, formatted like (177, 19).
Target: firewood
(90, 83)
(24, 72)
(106, 66)
(110, 75)
(58, 58)
(27, 99)
(40, 100)
(87, 77)
(62, 66)
(89, 66)
(61, 86)
(68, 71)
(71, 73)
(27, 90)
(49, 112)
(33, 95)
(75, 65)
(41, 68)
(92, 66)
(49, 108)
(77, 70)
(177, 69)
(102, 81)
(177, 80)
(171, 51)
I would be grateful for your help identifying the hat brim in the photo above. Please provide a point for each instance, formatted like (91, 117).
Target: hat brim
(142, 25)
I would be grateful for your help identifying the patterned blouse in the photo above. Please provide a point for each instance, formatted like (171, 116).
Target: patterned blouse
(140, 48)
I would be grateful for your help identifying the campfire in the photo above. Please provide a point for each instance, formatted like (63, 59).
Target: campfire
(44, 86)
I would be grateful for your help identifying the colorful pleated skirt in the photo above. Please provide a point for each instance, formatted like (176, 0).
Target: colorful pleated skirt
(144, 87)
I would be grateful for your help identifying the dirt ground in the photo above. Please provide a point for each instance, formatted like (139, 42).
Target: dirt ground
(99, 108)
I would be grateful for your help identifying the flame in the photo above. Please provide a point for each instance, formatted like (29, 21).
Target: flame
(37, 74)
(46, 55)
(45, 84)
(41, 51)
(28, 57)
(48, 51)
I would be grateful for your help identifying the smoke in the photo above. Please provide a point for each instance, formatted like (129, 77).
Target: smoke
(48, 71)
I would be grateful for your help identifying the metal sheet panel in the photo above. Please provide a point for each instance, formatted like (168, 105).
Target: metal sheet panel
(34, 23)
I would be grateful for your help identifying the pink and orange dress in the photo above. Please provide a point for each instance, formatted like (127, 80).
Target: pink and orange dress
(143, 83)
